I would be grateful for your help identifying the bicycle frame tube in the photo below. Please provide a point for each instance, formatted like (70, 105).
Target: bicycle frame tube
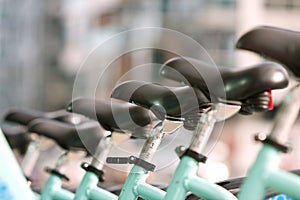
(12, 182)
(136, 186)
(287, 115)
(265, 174)
(277, 181)
(185, 179)
(88, 189)
(31, 157)
(53, 190)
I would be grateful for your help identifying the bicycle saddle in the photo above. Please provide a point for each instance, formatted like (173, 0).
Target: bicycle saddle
(84, 137)
(275, 43)
(113, 116)
(22, 116)
(25, 116)
(161, 100)
(239, 83)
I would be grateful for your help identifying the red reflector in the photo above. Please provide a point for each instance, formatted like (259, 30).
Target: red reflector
(271, 105)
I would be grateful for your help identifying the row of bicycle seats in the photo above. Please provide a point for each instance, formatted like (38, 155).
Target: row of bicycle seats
(150, 111)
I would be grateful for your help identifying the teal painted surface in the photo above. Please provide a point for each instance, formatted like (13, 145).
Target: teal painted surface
(97, 193)
(53, 190)
(62, 194)
(137, 175)
(136, 186)
(147, 191)
(280, 197)
(266, 162)
(88, 189)
(177, 188)
(13, 185)
(90, 180)
(266, 174)
(285, 183)
(185, 179)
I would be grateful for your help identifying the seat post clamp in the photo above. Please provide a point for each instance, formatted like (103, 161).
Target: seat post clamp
(57, 173)
(131, 160)
(270, 141)
(91, 168)
(142, 163)
(193, 154)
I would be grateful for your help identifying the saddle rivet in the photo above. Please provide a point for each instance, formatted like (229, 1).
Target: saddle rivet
(132, 158)
(261, 136)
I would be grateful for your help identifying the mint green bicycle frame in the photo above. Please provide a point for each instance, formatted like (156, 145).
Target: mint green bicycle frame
(88, 189)
(265, 173)
(185, 178)
(135, 185)
(53, 190)
(13, 184)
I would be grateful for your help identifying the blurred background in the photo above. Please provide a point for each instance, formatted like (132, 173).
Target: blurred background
(44, 43)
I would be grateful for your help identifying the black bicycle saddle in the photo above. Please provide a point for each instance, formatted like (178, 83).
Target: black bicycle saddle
(237, 84)
(278, 44)
(84, 137)
(179, 102)
(25, 116)
(22, 116)
(113, 116)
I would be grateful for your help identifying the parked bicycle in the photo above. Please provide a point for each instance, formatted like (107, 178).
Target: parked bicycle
(249, 98)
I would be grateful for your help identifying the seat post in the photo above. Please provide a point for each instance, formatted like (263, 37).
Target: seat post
(203, 130)
(286, 116)
(31, 156)
(152, 143)
(101, 153)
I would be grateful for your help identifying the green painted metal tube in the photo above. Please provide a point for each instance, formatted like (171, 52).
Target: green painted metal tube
(90, 180)
(136, 186)
(284, 182)
(88, 189)
(147, 191)
(62, 194)
(53, 189)
(136, 176)
(12, 182)
(97, 193)
(185, 179)
(177, 188)
(254, 186)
